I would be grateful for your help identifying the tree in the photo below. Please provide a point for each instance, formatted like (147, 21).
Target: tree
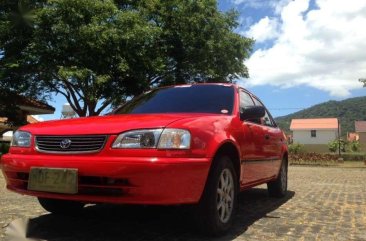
(98, 53)
(9, 109)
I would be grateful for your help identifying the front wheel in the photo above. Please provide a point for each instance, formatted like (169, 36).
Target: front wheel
(278, 187)
(216, 208)
(57, 206)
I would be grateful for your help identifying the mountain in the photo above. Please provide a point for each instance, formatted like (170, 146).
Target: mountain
(348, 111)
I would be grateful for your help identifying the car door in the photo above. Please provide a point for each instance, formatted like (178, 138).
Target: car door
(253, 163)
(273, 139)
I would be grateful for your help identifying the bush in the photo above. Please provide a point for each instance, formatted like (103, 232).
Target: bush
(346, 146)
(354, 146)
(334, 145)
(295, 148)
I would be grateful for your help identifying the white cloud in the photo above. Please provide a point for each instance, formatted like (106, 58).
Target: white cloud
(323, 48)
(263, 30)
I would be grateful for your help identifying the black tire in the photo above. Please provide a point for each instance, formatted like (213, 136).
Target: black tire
(278, 187)
(212, 219)
(57, 206)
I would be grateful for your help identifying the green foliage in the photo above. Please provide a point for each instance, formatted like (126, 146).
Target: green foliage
(295, 148)
(98, 53)
(334, 145)
(354, 146)
(9, 109)
(346, 146)
(348, 111)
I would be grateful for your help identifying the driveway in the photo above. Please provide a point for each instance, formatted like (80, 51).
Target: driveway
(322, 204)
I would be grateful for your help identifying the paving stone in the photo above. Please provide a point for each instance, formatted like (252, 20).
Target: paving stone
(323, 203)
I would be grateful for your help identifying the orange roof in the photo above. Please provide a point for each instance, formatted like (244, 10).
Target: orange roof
(314, 124)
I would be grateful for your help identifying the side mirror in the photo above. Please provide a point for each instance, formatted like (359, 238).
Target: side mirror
(252, 112)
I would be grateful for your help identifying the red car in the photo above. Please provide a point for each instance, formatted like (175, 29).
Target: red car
(190, 144)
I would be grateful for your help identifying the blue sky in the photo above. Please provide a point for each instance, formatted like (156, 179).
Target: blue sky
(306, 51)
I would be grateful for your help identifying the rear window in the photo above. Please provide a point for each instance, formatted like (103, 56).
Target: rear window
(217, 99)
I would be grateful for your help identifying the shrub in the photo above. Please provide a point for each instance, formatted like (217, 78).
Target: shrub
(354, 146)
(333, 146)
(295, 148)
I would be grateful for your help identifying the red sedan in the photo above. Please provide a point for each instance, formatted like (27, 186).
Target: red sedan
(189, 144)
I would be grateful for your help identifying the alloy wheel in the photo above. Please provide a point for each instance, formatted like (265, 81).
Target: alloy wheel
(225, 195)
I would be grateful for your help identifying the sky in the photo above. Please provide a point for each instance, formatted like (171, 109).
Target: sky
(306, 51)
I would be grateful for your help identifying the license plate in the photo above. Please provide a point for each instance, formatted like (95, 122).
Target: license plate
(57, 180)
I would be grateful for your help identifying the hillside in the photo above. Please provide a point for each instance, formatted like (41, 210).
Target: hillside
(347, 110)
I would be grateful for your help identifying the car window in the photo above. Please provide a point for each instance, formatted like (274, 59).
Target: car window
(267, 119)
(183, 99)
(245, 99)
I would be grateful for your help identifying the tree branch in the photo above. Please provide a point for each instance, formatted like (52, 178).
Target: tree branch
(104, 105)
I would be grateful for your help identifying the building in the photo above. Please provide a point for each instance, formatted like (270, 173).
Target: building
(315, 134)
(360, 128)
(27, 107)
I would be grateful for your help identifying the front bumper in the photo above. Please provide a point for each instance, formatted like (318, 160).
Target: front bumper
(137, 180)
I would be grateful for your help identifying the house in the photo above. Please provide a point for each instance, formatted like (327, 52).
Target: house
(315, 134)
(27, 107)
(360, 128)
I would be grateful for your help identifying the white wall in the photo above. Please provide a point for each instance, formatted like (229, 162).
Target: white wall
(322, 136)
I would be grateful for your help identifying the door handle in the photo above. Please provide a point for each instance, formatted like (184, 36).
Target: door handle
(266, 136)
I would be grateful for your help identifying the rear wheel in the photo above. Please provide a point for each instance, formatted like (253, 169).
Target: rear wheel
(278, 187)
(216, 208)
(57, 206)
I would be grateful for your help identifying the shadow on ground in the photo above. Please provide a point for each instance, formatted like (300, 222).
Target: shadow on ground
(111, 222)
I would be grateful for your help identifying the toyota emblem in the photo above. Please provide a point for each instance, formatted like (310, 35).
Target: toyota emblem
(65, 143)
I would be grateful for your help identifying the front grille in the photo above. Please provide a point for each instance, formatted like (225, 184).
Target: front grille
(70, 144)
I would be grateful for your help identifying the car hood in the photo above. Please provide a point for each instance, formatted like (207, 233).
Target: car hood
(103, 124)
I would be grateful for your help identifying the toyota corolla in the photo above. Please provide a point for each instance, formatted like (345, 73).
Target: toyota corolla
(190, 144)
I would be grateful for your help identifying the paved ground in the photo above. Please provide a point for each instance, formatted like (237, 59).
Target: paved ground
(322, 204)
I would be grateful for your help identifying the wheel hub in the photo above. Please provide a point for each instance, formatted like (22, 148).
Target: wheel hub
(225, 195)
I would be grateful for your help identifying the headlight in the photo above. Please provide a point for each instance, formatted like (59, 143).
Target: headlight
(175, 139)
(138, 139)
(21, 139)
(154, 138)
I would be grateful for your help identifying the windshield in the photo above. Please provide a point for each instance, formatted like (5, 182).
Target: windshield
(183, 99)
